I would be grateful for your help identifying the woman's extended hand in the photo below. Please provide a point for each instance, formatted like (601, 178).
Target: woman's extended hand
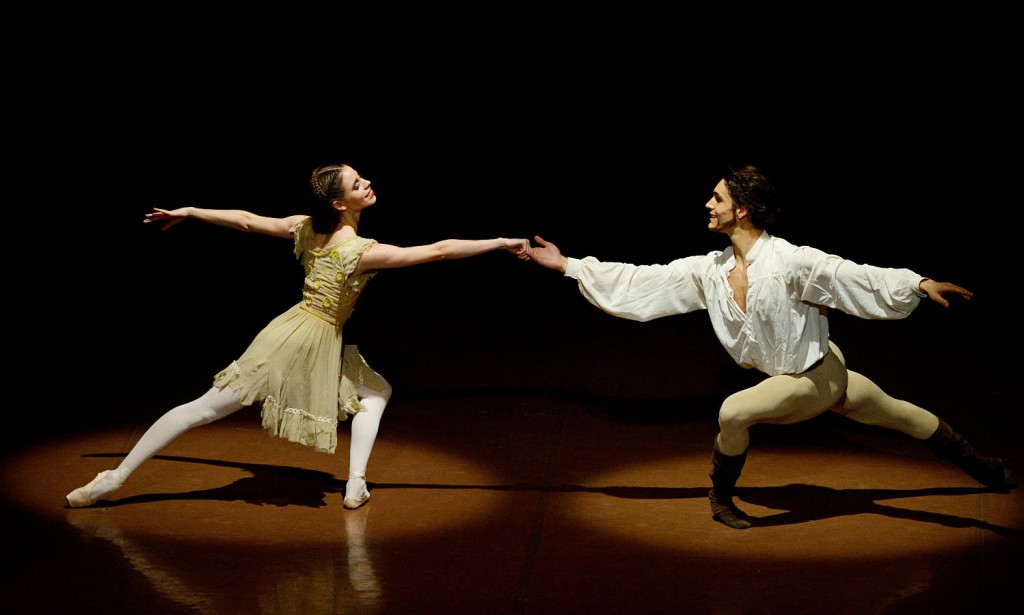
(172, 217)
(519, 247)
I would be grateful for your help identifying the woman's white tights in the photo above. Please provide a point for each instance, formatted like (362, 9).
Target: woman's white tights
(216, 404)
(365, 425)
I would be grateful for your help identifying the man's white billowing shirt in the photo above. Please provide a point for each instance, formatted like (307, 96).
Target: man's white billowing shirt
(783, 330)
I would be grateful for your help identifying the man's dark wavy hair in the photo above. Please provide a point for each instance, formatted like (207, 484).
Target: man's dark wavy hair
(750, 187)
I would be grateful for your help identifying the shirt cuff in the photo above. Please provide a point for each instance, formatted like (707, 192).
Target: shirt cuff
(572, 268)
(917, 287)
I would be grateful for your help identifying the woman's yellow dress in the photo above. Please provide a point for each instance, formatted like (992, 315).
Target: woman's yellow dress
(298, 366)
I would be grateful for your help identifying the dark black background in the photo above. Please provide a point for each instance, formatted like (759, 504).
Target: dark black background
(884, 152)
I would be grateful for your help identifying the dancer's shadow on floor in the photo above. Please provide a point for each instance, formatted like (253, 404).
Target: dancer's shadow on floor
(277, 485)
(272, 485)
(804, 503)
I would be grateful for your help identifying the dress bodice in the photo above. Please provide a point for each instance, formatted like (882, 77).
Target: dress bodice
(330, 289)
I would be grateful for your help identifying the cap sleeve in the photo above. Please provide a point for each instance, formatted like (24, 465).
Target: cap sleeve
(302, 233)
(350, 252)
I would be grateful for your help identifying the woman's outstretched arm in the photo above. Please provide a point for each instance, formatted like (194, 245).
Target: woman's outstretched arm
(387, 256)
(237, 219)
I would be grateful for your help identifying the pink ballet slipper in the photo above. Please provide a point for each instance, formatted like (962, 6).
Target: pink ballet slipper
(104, 484)
(363, 495)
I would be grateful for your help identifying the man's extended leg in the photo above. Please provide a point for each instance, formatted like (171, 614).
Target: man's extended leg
(867, 403)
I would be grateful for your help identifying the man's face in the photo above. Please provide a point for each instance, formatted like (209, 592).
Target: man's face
(721, 209)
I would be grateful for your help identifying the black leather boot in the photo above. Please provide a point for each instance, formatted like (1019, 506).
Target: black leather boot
(989, 471)
(725, 471)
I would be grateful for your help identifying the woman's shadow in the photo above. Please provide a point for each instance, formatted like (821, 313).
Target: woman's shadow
(272, 485)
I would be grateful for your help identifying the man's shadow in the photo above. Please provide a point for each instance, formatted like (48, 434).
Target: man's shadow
(804, 503)
(289, 486)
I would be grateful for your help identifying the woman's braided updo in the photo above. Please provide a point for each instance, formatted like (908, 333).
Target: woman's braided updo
(326, 185)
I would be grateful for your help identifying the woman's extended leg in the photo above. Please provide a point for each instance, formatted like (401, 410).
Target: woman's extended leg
(215, 404)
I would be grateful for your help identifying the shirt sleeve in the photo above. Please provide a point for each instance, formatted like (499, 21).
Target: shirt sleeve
(640, 292)
(859, 290)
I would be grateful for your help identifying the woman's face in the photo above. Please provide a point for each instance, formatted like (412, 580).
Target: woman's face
(358, 193)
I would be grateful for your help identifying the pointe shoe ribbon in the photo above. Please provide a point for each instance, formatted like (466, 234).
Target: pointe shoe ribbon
(98, 488)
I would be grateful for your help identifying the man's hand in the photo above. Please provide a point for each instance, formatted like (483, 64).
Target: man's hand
(936, 290)
(548, 255)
